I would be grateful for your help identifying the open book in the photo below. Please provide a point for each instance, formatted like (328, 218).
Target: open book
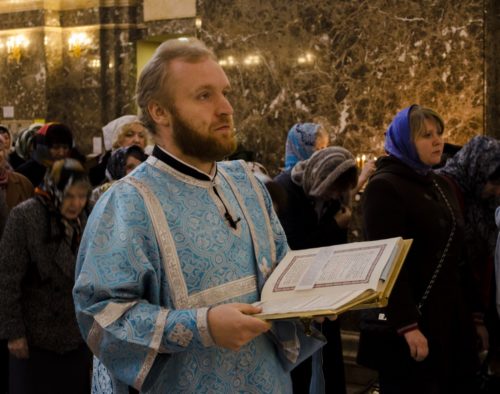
(333, 279)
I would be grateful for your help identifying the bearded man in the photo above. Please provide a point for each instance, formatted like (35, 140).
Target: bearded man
(174, 255)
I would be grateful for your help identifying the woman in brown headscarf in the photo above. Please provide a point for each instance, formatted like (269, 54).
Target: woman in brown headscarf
(37, 268)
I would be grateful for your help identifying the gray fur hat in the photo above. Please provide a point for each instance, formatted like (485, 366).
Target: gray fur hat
(317, 174)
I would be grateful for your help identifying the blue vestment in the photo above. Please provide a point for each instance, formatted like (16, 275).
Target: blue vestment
(157, 252)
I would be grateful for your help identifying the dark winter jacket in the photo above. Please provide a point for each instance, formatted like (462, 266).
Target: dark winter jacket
(400, 202)
(300, 221)
(36, 281)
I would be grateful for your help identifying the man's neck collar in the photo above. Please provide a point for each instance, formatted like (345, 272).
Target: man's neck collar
(181, 166)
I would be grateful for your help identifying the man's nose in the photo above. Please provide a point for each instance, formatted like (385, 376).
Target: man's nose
(224, 106)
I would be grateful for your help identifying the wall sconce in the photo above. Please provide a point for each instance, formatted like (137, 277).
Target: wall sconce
(77, 43)
(251, 60)
(305, 59)
(198, 23)
(230, 61)
(15, 46)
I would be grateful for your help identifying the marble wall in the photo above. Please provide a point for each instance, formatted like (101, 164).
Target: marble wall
(352, 64)
(84, 89)
(355, 63)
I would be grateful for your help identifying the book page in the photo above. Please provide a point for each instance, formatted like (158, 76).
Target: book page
(330, 279)
(330, 267)
(316, 303)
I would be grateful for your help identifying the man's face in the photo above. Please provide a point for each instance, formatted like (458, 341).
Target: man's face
(201, 115)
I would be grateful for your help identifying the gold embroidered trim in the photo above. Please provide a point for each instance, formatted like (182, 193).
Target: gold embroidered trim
(161, 320)
(181, 335)
(291, 349)
(246, 214)
(227, 291)
(112, 312)
(202, 324)
(262, 204)
(171, 263)
(94, 338)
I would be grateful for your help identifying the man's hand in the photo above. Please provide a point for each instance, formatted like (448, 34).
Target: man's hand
(417, 343)
(231, 326)
(483, 336)
(321, 319)
(343, 217)
(18, 347)
(367, 171)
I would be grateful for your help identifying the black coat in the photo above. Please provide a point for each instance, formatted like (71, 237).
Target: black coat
(33, 170)
(400, 202)
(303, 228)
(36, 281)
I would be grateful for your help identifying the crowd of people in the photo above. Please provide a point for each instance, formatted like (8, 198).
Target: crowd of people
(139, 274)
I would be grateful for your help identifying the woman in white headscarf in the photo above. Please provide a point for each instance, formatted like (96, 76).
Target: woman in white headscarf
(122, 132)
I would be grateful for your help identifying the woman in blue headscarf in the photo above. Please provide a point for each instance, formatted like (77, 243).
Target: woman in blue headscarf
(302, 141)
(424, 341)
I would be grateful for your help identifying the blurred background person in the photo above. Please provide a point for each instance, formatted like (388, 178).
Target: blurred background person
(23, 145)
(124, 131)
(475, 173)
(14, 187)
(7, 136)
(424, 341)
(317, 213)
(121, 163)
(4, 212)
(53, 141)
(302, 141)
(37, 268)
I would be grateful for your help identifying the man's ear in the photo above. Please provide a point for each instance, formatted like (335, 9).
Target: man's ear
(159, 113)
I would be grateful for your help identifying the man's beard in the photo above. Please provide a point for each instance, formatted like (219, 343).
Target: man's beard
(205, 147)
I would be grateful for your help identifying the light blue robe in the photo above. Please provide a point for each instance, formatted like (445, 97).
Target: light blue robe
(142, 296)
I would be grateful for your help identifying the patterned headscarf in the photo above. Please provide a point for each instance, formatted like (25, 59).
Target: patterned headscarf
(300, 143)
(25, 139)
(116, 168)
(471, 168)
(59, 178)
(317, 174)
(398, 142)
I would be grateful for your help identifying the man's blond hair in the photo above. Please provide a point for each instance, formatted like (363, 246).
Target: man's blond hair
(153, 82)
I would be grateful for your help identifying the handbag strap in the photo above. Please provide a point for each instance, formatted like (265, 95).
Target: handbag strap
(445, 251)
